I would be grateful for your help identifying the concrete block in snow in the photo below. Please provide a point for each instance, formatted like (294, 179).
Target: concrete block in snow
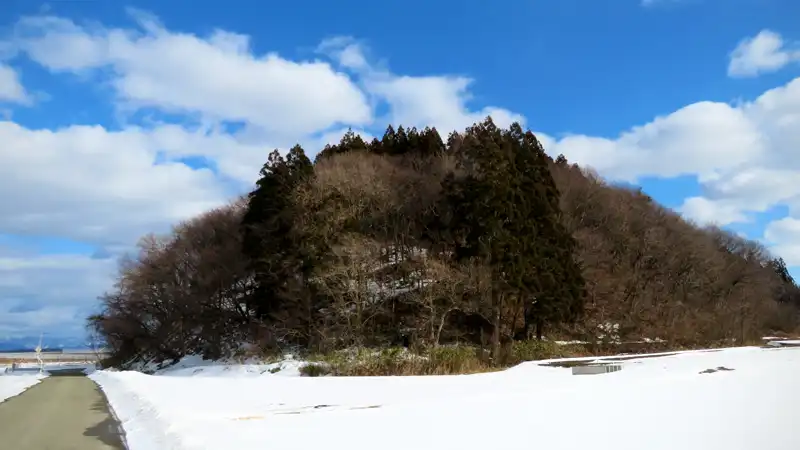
(596, 369)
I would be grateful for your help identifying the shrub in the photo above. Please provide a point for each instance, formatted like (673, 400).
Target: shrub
(455, 360)
(446, 360)
(315, 370)
(533, 350)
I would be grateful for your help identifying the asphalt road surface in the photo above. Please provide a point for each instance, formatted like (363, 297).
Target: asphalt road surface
(60, 413)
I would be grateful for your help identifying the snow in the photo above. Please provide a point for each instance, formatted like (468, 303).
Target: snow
(655, 403)
(197, 366)
(15, 384)
(54, 365)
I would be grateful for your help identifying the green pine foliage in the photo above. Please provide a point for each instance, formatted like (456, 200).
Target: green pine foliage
(506, 212)
(267, 229)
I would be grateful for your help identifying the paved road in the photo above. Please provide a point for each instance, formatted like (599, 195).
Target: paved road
(60, 413)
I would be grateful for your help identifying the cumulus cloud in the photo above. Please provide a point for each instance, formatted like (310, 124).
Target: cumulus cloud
(439, 101)
(434, 101)
(720, 212)
(744, 156)
(785, 234)
(216, 76)
(48, 293)
(89, 184)
(698, 139)
(763, 53)
(104, 188)
(11, 89)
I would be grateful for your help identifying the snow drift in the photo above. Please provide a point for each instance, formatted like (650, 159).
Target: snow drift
(734, 399)
(14, 384)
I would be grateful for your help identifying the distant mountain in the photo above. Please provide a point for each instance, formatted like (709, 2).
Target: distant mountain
(29, 343)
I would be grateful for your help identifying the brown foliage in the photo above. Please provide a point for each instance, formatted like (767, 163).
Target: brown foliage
(183, 293)
(379, 278)
(658, 275)
(647, 269)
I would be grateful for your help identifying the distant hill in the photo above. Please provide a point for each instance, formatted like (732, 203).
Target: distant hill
(29, 343)
(405, 240)
(28, 350)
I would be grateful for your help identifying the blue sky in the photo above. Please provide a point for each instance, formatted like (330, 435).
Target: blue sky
(122, 118)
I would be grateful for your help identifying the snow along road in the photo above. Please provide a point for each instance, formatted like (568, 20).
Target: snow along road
(732, 399)
(60, 413)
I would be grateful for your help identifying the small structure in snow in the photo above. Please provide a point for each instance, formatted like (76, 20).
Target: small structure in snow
(784, 343)
(596, 369)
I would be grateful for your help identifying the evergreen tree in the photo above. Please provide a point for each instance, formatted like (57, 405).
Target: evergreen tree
(375, 146)
(779, 266)
(350, 142)
(482, 204)
(401, 144)
(506, 212)
(267, 229)
(388, 141)
(549, 280)
(430, 143)
(787, 291)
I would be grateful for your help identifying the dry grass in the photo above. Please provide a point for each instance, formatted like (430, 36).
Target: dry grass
(398, 361)
(533, 350)
(444, 360)
(462, 359)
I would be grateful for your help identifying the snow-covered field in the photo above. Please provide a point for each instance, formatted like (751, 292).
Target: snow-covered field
(14, 384)
(55, 365)
(748, 400)
(67, 355)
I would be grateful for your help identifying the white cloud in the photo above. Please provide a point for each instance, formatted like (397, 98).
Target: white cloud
(348, 52)
(745, 158)
(86, 183)
(216, 76)
(705, 211)
(698, 139)
(89, 184)
(437, 100)
(11, 89)
(784, 234)
(49, 294)
(765, 52)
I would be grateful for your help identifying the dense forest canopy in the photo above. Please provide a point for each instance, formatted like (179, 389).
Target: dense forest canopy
(482, 239)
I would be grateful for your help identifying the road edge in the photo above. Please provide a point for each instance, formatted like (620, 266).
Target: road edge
(123, 435)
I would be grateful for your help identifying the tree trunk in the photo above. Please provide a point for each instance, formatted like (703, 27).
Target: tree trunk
(438, 335)
(496, 327)
(496, 334)
(539, 329)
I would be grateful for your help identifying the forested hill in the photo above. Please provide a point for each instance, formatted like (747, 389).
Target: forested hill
(483, 239)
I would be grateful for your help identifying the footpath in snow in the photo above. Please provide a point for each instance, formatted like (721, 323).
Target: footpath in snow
(733, 399)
